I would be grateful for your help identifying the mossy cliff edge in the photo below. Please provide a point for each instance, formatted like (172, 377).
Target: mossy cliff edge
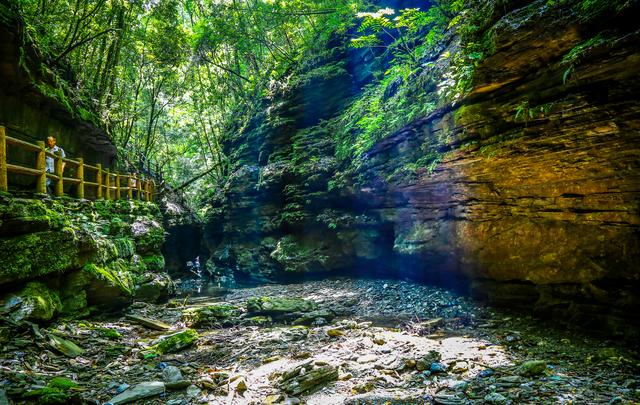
(69, 257)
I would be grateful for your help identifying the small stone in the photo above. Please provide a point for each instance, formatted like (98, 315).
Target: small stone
(334, 332)
(379, 341)
(140, 391)
(345, 377)
(178, 385)
(532, 368)
(409, 363)
(367, 358)
(193, 391)
(171, 374)
(271, 359)
(460, 367)
(495, 398)
(241, 386)
(292, 401)
(486, 373)
(437, 368)
(176, 341)
(64, 346)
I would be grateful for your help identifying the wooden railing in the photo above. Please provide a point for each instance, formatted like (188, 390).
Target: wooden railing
(107, 185)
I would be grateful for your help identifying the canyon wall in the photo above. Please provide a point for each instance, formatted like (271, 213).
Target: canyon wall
(526, 189)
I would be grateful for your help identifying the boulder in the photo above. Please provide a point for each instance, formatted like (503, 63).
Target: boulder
(279, 305)
(219, 313)
(35, 302)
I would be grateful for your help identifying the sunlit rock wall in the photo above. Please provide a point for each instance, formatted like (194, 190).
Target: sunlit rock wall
(534, 197)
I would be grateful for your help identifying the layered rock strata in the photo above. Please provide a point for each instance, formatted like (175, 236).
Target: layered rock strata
(70, 257)
(531, 189)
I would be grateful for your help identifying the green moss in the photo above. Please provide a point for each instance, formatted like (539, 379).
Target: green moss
(154, 263)
(56, 392)
(109, 333)
(38, 254)
(75, 305)
(176, 342)
(125, 247)
(37, 302)
(48, 396)
(116, 274)
(215, 313)
(62, 383)
(294, 256)
(279, 305)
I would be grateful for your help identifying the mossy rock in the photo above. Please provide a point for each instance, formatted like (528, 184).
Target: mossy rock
(155, 287)
(215, 313)
(109, 333)
(154, 263)
(176, 342)
(35, 302)
(315, 316)
(260, 320)
(125, 247)
(18, 216)
(148, 235)
(532, 368)
(38, 254)
(56, 392)
(279, 305)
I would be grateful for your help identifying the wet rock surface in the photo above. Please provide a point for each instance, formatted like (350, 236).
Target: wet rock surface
(390, 342)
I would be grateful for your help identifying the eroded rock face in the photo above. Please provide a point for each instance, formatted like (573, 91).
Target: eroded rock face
(84, 254)
(532, 191)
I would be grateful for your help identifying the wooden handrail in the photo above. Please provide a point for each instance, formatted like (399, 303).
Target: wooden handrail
(108, 185)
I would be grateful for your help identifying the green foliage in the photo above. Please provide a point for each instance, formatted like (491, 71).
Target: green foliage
(577, 54)
(176, 342)
(592, 9)
(56, 392)
(525, 112)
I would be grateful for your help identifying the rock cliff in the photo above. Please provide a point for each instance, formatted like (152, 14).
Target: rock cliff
(527, 186)
(72, 257)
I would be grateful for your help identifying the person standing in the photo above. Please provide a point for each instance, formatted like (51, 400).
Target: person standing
(50, 162)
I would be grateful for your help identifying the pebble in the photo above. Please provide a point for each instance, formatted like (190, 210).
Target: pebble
(367, 358)
(437, 368)
(495, 398)
(486, 373)
(171, 374)
(193, 391)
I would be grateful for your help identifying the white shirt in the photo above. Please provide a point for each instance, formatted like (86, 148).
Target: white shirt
(50, 161)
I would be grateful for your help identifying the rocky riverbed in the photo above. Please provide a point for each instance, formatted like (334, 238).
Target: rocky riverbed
(340, 341)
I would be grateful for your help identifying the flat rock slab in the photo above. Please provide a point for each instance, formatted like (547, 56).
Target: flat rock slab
(140, 391)
(149, 323)
(66, 347)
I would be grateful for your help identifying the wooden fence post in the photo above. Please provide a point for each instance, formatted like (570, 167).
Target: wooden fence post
(107, 184)
(59, 187)
(99, 180)
(139, 187)
(41, 166)
(4, 185)
(117, 186)
(80, 177)
(129, 185)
